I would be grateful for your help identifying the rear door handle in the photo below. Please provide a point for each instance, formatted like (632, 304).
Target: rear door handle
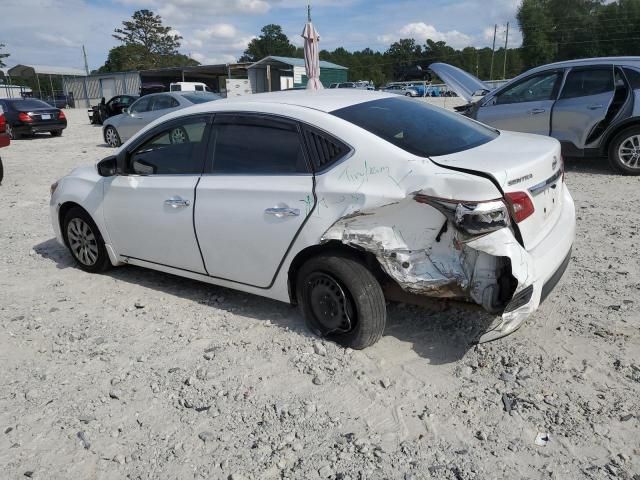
(536, 111)
(177, 202)
(281, 212)
(595, 107)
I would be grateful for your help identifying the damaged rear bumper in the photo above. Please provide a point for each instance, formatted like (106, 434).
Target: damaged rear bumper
(537, 271)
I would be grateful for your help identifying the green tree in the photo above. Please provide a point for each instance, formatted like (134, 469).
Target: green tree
(535, 24)
(2, 56)
(146, 44)
(272, 41)
(146, 29)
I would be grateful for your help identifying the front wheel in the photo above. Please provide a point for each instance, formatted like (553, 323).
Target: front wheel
(111, 137)
(84, 241)
(624, 151)
(341, 300)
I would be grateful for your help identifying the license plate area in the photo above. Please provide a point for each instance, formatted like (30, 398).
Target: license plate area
(45, 116)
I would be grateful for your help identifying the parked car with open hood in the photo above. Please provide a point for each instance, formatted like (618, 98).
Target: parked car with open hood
(105, 109)
(328, 200)
(142, 112)
(592, 106)
(30, 115)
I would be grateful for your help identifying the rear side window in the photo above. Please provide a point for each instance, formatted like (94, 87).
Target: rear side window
(256, 146)
(176, 150)
(586, 82)
(417, 127)
(28, 104)
(201, 97)
(323, 149)
(163, 102)
(633, 76)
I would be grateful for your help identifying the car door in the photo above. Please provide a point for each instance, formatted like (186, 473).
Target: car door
(524, 106)
(584, 101)
(136, 118)
(254, 198)
(148, 208)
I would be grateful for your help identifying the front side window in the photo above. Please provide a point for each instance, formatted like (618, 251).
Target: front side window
(141, 105)
(586, 82)
(256, 146)
(162, 102)
(417, 127)
(176, 150)
(533, 89)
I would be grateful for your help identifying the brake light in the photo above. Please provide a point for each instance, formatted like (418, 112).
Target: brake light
(61, 116)
(3, 123)
(520, 205)
(25, 117)
(470, 217)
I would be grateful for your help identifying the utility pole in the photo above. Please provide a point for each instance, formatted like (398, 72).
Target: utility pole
(506, 43)
(86, 65)
(493, 50)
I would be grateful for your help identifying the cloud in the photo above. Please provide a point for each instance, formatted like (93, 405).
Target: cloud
(421, 32)
(220, 30)
(186, 10)
(58, 40)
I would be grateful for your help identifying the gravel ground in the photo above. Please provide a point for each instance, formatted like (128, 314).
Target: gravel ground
(138, 374)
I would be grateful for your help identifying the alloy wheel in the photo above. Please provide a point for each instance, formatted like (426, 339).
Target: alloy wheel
(82, 242)
(179, 135)
(332, 309)
(9, 131)
(111, 136)
(629, 152)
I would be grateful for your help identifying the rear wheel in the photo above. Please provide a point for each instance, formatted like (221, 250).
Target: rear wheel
(11, 132)
(84, 241)
(624, 151)
(56, 133)
(111, 137)
(1, 171)
(341, 300)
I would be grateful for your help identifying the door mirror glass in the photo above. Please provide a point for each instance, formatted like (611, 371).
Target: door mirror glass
(107, 167)
(125, 110)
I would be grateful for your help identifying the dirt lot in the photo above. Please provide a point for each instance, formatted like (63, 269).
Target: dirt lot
(137, 374)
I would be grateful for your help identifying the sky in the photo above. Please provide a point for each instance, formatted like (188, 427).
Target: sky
(52, 32)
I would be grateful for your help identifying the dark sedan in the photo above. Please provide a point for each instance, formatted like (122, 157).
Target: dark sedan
(29, 116)
(99, 113)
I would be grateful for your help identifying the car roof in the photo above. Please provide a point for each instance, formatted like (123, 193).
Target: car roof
(322, 100)
(632, 61)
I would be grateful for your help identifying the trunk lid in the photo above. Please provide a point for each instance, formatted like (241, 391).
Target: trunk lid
(519, 162)
(464, 84)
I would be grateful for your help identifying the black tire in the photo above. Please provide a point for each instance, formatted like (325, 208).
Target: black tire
(11, 132)
(618, 163)
(1, 171)
(56, 133)
(359, 302)
(408, 94)
(113, 141)
(99, 260)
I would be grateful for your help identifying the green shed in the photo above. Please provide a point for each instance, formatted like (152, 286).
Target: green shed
(280, 73)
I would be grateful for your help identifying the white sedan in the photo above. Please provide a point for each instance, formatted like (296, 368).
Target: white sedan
(330, 200)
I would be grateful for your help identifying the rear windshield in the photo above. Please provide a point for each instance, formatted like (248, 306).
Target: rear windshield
(417, 127)
(28, 104)
(201, 97)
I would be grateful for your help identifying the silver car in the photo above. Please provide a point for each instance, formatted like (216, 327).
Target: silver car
(592, 105)
(120, 128)
(400, 90)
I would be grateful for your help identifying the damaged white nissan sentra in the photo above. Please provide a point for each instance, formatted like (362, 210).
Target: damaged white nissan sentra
(328, 200)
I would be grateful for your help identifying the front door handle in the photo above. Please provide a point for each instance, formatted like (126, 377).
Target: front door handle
(595, 107)
(176, 202)
(536, 111)
(281, 212)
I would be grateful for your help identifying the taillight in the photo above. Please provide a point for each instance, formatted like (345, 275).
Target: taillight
(520, 205)
(61, 116)
(3, 124)
(25, 117)
(472, 218)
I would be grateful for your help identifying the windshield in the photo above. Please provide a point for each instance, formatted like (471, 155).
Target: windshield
(28, 104)
(201, 97)
(417, 127)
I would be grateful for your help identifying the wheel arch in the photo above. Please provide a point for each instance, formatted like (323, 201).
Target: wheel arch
(615, 130)
(368, 259)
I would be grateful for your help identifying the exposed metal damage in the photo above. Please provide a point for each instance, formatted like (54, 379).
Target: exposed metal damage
(488, 269)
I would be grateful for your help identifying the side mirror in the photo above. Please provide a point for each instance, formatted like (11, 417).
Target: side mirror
(107, 167)
(125, 110)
